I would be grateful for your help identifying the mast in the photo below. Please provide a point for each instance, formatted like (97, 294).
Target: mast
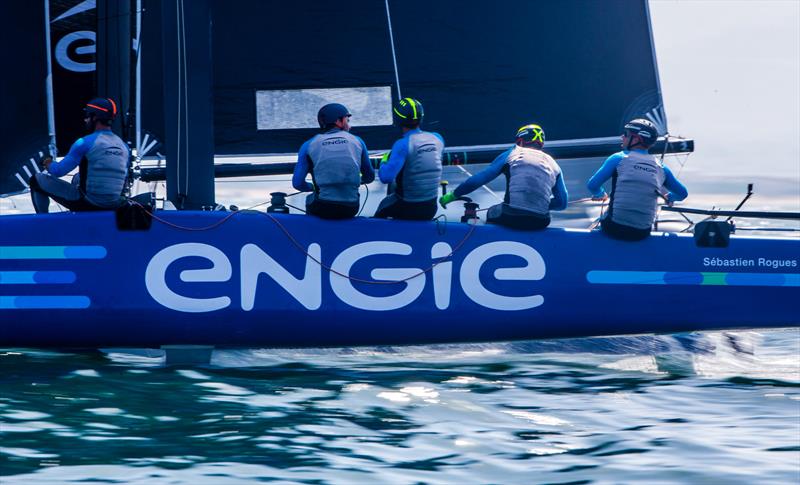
(187, 106)
(51, 117)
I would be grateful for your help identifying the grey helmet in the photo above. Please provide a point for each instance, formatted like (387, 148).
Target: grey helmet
(644, 128)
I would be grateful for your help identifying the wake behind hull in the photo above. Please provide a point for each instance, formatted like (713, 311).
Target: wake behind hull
(252, 280)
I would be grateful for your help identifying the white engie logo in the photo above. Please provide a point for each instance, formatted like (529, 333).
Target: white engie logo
(308, 289)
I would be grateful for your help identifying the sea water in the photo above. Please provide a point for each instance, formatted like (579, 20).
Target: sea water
(699, 408)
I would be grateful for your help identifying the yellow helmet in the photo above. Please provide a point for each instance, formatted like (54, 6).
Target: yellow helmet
(531, 134)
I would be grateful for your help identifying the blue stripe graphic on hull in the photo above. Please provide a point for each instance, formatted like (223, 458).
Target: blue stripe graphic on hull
(692, 278)
(626, 277)
(52, 252)
(36, 277)
(51, 302)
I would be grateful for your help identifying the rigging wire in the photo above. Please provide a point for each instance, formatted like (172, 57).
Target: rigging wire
(185, 86)
(366, 198)
(295, 208)
(178, 145)
(394, 55)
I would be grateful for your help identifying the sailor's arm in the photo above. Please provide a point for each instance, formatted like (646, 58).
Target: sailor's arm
(301, 169)
(484, 176)
(397, 159)
(677, 191)
(367, 172)
(560, 195)
(72, 160)
(595, 184)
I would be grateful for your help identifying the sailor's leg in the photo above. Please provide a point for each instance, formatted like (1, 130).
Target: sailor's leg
(41, 201)
(311, 200)
(45, 187)
(386, 207)
(622, 232)
(412, 211)
(508, 216)
(495, 214)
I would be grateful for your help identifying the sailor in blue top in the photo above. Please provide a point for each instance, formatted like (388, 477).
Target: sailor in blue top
(637, 180)
(534, 183)
(413, 167)
(338, 163)
(103, 159)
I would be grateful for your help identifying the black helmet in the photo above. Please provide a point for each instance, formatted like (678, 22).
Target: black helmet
(531, 134)
(646, 130)
(408, 112)
(103, 109)
(330, 113)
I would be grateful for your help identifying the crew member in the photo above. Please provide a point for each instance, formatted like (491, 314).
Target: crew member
(534, 183)
(414, 165)
(338, 163)
(103, 159)
(637, 180)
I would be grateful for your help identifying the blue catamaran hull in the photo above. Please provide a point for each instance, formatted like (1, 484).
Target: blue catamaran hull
(255, 279)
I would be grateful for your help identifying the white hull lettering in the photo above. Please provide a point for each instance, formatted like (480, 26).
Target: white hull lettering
(308, 290)
(155, 277)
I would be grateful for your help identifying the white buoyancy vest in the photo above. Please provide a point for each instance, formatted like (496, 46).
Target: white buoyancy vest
(106, 170)
(422, 170)
(531, 176)
(336, 166)
(638, 180)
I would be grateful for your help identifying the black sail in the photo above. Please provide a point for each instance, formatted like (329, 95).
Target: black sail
(481, 68)
(23, 95)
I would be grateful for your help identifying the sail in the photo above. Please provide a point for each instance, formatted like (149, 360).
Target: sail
(482, 69)
(23, 124)
(73, 44)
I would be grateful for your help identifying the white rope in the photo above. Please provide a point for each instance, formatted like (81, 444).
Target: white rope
(394, 55)
(487, 189)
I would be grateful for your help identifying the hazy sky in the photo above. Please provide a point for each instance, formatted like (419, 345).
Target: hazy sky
(730, 75)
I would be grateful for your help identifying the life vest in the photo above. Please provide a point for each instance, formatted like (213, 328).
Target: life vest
(419, 178)
(635, 185)
(530, 177)
(103, 170)
(336, 166)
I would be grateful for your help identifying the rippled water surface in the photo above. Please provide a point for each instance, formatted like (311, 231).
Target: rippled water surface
(716, 408)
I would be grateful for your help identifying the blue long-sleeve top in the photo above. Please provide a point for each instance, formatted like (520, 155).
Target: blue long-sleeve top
(303, 167)
(677, 191)
(389, 170)
(495, 169)
(76, 153)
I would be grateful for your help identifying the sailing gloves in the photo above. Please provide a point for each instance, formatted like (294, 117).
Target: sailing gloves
(446, 199)
(377, 162)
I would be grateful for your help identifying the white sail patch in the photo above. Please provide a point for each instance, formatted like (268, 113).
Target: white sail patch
(297, 108)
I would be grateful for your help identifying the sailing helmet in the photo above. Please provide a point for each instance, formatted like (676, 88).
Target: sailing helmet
(330, 113)
(644, 128)
(408, 112)
(103, 109)
(531, 134)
